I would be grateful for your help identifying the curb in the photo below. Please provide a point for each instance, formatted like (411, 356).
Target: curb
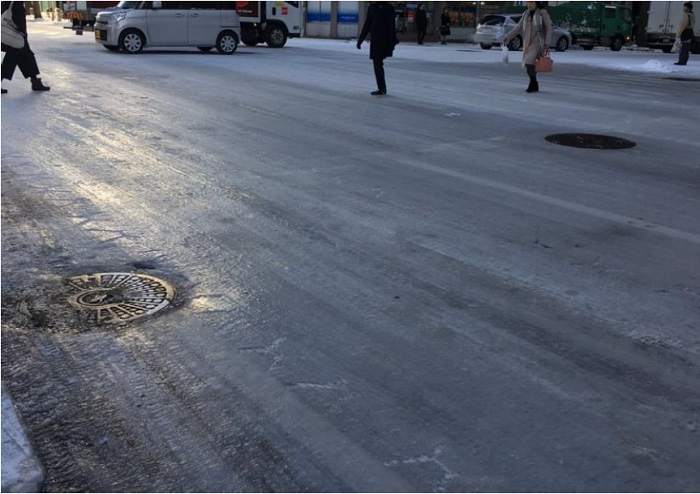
(21, 471)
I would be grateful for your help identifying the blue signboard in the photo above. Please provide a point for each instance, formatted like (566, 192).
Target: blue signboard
(348, 12)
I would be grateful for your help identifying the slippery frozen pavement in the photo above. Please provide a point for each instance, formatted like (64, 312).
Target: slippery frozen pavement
(413, 293)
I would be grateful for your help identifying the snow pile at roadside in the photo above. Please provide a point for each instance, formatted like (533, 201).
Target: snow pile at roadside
(656, 66)
(637, 62)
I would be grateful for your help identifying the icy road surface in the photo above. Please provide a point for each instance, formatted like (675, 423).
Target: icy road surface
(412, 293)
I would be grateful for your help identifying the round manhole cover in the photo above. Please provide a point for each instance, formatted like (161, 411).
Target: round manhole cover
(590, 141)
(108, 298)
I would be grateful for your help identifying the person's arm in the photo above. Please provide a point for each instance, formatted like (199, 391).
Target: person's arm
(366, 27)
(683, 25)
(19, 16)
(547, 22)
(515, 31)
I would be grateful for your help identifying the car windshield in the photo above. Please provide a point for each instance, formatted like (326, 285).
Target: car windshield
(128, 5)
(493, 20)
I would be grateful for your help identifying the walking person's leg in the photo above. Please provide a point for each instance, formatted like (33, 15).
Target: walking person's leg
(30, 69)
(9, 63)
(532, 74)
(379, 74)
(684, 54)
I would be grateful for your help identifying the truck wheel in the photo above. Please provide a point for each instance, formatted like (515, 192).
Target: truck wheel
(485, 46)
(276, 36)
(250, 37)
(562, 44)
(132, 41)
(516, 43)
(205, 49)
(227, 43)
(111, 47)
(617, 43)
(587, 47)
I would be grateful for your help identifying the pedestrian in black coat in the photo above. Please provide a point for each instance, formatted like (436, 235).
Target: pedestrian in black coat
(379, 25)
(20, 57)
(445, 21)
(421, 23)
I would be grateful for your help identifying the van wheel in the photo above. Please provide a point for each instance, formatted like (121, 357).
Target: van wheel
(617, 43)
(276, 36)
(132, 41)
(667, 49)
(562, 44)
(485, 46)
(205, 49)
(516, 43)
(227, 43)
(111, 47)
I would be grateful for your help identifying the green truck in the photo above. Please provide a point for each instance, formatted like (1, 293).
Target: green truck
(594, 23)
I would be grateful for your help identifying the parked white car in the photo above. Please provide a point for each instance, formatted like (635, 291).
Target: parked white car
(494, 28)
(132, 26)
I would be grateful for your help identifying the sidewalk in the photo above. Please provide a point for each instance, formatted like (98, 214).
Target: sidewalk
(647, 61)
(21, 471)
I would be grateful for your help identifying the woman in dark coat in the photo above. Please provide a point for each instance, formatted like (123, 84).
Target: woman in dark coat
(379, 25)
(445, 21)
(421, 23)
(22, 57)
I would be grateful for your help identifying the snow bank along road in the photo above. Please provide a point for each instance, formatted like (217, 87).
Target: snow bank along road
(409, 293)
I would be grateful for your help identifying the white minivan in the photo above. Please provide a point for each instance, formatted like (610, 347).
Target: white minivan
(132, 26)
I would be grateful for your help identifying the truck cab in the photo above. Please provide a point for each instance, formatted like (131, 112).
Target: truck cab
(595, 23)
(269, 22)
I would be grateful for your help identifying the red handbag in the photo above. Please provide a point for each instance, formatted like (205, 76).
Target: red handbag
(544, 64)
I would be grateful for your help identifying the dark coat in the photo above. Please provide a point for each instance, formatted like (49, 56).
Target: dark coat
(445, 24)
(380, 27)
(421, 20)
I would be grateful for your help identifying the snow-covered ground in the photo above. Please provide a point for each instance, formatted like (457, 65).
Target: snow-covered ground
(411, 293)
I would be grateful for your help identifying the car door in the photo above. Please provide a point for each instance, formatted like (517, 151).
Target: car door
(167, 23)
(203, 23)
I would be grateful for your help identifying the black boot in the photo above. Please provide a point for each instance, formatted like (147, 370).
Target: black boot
(533, 87)
(378, 92)
(37, 85)
(4, 91)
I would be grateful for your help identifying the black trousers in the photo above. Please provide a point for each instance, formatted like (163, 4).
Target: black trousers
(379, 73)
(421, 36)
(22, 58)
(531, 72)
(684, 54)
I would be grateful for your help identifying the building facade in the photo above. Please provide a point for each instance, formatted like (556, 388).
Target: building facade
(332, 19)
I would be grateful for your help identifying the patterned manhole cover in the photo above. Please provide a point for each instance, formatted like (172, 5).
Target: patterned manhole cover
(590, 141)
(118, 297)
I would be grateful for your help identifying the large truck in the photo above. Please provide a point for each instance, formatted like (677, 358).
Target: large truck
(269, 22)
(662, 25)
(84, 14)
(594, 24)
